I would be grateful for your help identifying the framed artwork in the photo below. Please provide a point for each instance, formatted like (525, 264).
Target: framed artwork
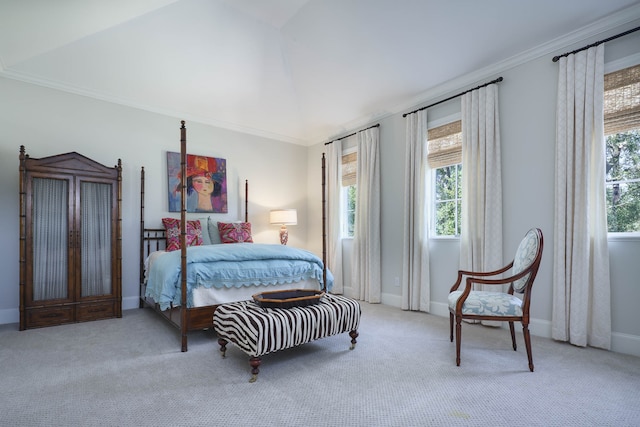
(206, 183)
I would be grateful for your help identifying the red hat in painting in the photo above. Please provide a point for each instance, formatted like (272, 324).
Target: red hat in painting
(201, 165)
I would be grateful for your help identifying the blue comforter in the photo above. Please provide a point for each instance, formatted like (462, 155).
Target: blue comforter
(231, 265)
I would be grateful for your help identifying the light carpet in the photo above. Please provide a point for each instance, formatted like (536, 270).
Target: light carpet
(130, 372)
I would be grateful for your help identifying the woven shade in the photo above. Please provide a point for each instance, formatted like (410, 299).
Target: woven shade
(444, 145)
(349, 166)
(622, 100)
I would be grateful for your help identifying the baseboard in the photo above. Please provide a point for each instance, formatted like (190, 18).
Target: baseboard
(391, 299)
(129, 303)
(625, 343)
(9, 315)
(620, 343)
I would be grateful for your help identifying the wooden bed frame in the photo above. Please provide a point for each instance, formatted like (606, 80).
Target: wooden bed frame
(153, 239)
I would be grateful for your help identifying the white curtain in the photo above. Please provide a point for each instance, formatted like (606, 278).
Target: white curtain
(50, 210)
(417, 189)
(366, 239)
(581, 303)
(96, 260)
(481, 231)
(334, 207)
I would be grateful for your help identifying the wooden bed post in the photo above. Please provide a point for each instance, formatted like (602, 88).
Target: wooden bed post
(23, 237)
(183, 234)
(324, 226)
(119, 240)
(246, 200)
(141, 236)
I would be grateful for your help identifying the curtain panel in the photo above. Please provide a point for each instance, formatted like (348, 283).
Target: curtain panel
(417, 203)
(366, 239)
(96, 239)
(50, 238)
(334, 203)
(581, 281)
(481, 231)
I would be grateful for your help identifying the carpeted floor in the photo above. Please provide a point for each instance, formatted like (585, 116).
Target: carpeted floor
(130, 372)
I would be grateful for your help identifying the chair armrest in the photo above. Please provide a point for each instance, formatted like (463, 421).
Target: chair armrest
(471, 274)
(482, 281)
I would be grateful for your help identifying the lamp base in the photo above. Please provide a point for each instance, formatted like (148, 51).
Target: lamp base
(284, 235)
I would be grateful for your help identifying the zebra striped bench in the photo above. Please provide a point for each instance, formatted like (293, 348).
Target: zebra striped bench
(258, 331)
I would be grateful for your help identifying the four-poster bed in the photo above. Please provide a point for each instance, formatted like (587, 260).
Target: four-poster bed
(188, 301)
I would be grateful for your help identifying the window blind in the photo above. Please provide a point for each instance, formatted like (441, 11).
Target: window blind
(444, 145)
(622, 100)
(349, 166)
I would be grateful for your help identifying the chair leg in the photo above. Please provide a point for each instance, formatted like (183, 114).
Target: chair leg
(458, 338)
(527, 343)
(513, 336)
(451, 326)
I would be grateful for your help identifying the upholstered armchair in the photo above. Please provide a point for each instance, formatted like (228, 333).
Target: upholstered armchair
(499, 305)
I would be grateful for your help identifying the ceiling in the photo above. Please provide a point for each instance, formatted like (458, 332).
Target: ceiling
(301, 71)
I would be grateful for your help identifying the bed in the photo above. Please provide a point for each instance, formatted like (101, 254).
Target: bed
(217, 273)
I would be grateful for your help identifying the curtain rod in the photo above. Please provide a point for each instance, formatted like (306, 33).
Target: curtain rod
(362, 130)
(498, 80)
(633, 30)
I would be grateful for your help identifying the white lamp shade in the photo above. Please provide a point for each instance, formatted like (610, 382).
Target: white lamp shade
(283, 216)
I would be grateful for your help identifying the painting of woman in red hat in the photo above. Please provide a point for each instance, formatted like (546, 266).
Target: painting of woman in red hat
(206, 183)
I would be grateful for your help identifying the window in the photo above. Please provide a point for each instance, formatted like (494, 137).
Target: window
(349, 166)
(349, 203)
(622, 133)
(445, 158)
(448, 200)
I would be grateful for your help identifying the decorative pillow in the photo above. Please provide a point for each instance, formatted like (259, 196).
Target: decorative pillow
(204, 225)
(172, 226)
(235, 232)
(212, 230)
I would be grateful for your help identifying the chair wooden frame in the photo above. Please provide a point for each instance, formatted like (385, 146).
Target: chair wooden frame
(483, 278)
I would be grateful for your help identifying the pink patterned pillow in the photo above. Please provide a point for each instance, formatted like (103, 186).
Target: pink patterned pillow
(172, 226)
(235, 232)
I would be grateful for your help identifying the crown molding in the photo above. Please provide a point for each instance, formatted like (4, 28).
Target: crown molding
(50, 84)
(612, 22)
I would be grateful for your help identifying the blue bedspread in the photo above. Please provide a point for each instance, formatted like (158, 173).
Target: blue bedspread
(231, 265)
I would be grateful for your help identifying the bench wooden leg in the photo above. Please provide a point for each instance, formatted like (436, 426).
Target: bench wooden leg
(223, 346)
(353, 335)
(255, 363)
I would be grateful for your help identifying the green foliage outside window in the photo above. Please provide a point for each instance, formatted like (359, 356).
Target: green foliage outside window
(351, 210)
(622, 188)
(448, 197)
(623, 182)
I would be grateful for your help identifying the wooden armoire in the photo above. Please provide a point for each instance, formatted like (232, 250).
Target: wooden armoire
(70, 240)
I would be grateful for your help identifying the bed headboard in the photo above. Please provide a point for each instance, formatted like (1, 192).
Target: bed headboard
(155, 239)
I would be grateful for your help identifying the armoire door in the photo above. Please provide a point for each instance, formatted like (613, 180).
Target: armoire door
(95, 245)
(49, 256)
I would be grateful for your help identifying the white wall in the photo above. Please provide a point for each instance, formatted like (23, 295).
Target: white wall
(49, 122)
(527, 122)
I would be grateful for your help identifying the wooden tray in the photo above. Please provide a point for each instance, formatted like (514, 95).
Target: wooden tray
(288, 298)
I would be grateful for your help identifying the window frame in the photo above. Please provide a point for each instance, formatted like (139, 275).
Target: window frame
(432, 190)
(610, 67)
(345, 211)
(434, 202)
(344, 202)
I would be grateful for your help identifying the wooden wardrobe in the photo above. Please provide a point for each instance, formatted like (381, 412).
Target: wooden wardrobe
(70, 240)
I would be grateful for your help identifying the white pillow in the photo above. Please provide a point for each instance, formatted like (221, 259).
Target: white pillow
(204, 226)
(214, 234)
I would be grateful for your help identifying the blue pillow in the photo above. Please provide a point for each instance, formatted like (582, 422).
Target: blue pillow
(214, 234)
